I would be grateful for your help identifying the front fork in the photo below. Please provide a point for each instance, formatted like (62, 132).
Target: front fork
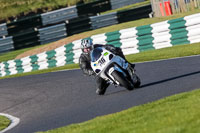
(117, 68)
(113, 68)
(122, 65)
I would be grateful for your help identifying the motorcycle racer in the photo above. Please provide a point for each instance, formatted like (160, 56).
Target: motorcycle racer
(84, 62)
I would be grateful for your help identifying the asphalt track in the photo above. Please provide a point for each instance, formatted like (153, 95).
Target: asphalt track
(56, 99)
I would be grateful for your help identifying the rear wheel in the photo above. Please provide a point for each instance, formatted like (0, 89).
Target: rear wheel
(123, 81)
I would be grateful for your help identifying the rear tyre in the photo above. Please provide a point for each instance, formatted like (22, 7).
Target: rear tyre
(123, 81)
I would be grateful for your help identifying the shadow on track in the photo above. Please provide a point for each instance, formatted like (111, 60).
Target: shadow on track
(112, 93)
(154, 83)
(173, 78)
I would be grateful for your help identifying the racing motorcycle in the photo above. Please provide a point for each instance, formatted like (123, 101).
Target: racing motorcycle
(114, 69)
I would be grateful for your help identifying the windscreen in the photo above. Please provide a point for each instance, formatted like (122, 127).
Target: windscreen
(96, 54)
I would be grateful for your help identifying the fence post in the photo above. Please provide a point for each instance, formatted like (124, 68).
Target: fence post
(167, 8)
(161, 9)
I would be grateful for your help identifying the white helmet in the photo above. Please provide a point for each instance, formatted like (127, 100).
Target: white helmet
(86, 45)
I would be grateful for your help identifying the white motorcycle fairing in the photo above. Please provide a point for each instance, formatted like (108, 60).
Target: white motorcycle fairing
(105, 62)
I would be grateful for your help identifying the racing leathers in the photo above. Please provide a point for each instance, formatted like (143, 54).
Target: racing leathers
(84, 63)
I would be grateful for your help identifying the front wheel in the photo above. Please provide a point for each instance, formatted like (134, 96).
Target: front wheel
(136, 81)
(123, 81)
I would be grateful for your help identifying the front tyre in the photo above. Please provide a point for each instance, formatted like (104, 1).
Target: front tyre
(123, 81)
(136, 81)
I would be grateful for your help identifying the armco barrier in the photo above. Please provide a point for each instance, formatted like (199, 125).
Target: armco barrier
(26, 39)
(120, 3)
(103, 20)
(132, 40)
(92, 8)
(3, 30)
(52, 33)
(134, 14)
(6, 44)
(23, 31)
(60, 15)
(78, 25)
(24, 24)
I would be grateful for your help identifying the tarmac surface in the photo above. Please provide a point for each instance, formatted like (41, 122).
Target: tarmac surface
(51, 100)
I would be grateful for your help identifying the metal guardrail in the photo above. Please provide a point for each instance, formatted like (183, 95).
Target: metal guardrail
(78, 25)
(134, 14)
(6, 44)
(52, 33)
(103, 20)
(120, 3)
(22, 25)
(3, 30)
(26, 39)
(23, 31)
(120, 17)
(93, 8)
(59, 15)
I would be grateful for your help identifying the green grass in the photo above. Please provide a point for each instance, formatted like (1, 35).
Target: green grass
(175, 114)
(166, 53)
(4, 122)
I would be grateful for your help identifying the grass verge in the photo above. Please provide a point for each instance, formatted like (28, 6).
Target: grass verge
(166, 53)
(4, 122)
(175, 114)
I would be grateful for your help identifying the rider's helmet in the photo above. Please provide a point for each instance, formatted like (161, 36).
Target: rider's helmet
(86, 45)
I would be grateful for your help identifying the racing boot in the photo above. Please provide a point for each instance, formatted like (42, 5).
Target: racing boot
(102, 86)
